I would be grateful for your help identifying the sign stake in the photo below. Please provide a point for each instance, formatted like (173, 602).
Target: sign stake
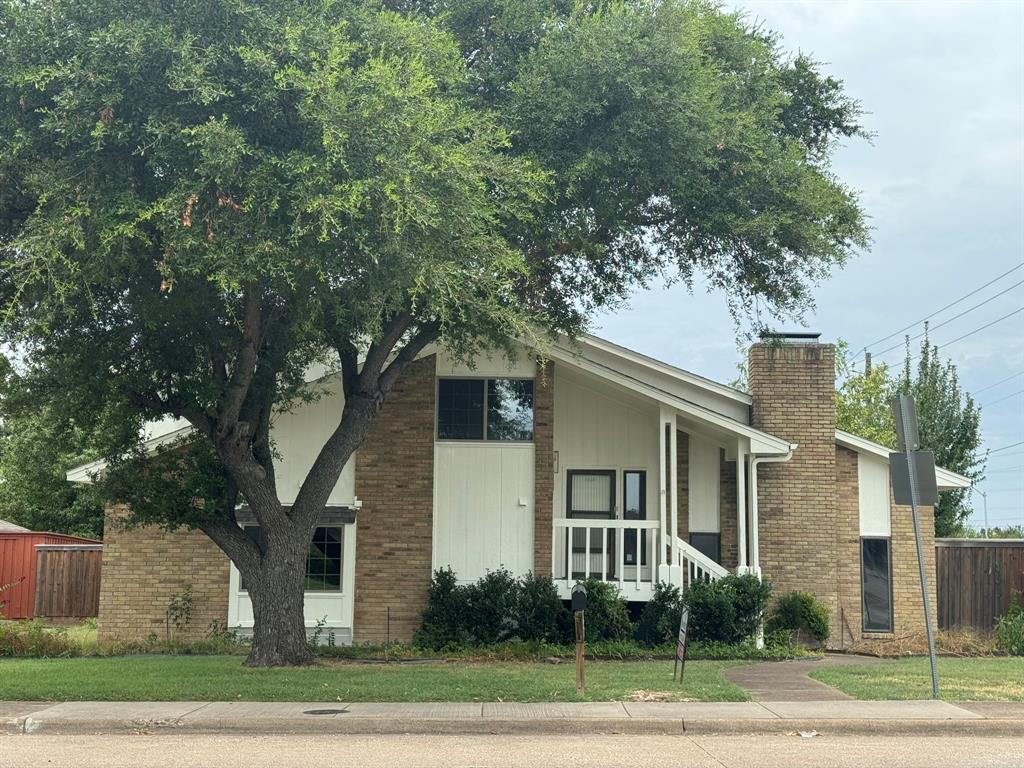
(580, 628)
(907, 421)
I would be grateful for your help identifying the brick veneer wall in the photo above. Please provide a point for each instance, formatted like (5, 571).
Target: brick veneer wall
(793, 388)
(395, 481)
(727, 499)
(908, 612)
(145, 568)
(543, 466)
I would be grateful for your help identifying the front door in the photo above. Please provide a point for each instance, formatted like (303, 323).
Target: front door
(590, 495)
(634, 507)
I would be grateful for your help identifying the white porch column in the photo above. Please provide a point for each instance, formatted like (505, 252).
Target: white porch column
(673, 469)
(662, 488)
(741, 506)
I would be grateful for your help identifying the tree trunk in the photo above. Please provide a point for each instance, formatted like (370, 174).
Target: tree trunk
(279, 629)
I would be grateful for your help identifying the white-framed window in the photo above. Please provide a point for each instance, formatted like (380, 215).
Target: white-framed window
(324, 561)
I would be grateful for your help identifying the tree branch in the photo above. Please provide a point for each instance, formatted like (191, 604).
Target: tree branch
(244, 369)
(380, 350)
(426, 334)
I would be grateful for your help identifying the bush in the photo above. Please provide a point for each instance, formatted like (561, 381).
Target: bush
(1010, 629)
(32, 639)
(799, 610)
(446, 619)
(540, 614)
(492, 602)
(728, 610)
(607, 616)
(659, 619)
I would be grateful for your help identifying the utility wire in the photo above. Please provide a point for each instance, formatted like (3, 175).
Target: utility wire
(1006, 447)
(1012, 394)
(939, 311)
(996, 384)
(950, 320)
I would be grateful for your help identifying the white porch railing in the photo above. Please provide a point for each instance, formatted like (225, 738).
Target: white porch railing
(694, 564)
(582, 549)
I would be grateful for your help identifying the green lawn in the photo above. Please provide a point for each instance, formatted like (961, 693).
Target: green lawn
(977, 679)
(220, 678)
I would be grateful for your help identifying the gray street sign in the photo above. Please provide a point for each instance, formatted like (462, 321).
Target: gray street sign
(924, 474)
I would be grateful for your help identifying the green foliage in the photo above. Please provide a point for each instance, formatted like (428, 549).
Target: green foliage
(948, 420)
(540, 614)
(179, 611)
(492, 604)
(659, 619)
(726, 611)
(1010, 628)
(607, 615)
(32, 639)
(862, 406)
(795, 611)
(995, 532)
(445, 621)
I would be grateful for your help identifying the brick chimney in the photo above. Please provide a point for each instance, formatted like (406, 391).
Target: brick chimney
(792, 380)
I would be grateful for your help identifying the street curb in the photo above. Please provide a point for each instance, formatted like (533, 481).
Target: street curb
(487, 726)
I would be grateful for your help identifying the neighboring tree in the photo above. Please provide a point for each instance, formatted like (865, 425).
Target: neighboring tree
(200, 198)
(949, 423)
(862, 399)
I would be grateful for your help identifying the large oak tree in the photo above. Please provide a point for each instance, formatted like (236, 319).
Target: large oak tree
(201, 198)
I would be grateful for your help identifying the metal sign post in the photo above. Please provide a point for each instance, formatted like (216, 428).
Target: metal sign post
(920, 484)
(579, 607)
(680, 664)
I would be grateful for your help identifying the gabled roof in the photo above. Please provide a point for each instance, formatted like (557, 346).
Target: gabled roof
(945, 479)
(6, 527)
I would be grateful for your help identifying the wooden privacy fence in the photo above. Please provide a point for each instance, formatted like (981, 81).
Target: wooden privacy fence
(975, 579)
(68, 580)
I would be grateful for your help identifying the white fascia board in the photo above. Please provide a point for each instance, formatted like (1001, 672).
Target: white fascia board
(760, 442)
(684, 376)
(84, 473)
(946, 479)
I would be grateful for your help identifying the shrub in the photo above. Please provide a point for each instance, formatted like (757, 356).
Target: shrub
(659, 619)
(540, 614)
(445, 621)
(491, 602)
(1010, 628)
(35, 640)
(607, 616)
(799, 610)
(728, 610)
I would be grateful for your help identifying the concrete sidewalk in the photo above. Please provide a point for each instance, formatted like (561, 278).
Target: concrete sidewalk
(850, 717)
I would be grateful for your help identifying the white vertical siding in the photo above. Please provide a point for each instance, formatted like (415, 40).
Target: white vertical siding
(873, 492)
(483, 507)
(601, 427)
(705, 496)
(493, 365)
(299, 435)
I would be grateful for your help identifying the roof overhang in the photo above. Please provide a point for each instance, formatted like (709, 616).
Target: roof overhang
(945, 479)
(160, 433)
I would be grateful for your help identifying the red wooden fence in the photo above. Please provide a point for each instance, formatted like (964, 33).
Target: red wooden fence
(18, 565)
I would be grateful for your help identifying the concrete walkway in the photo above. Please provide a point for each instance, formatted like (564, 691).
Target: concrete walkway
(852, 717)
(789, 681)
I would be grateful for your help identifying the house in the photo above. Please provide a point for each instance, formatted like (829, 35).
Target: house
(600, 462)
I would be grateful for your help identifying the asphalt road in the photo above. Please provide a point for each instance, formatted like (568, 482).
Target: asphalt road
(341, 751)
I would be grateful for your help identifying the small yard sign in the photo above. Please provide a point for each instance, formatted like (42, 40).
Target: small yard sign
(680, 664)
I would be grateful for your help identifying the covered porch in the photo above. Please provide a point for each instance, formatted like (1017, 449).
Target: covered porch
(654, 475)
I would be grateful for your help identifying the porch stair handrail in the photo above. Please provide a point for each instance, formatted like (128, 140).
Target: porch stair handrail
(698, 565)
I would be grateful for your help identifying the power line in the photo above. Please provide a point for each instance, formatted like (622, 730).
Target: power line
(1012, 394)
(1005, 447)
(939, 311)
(982, 328)
(950, 320)
(996, 384)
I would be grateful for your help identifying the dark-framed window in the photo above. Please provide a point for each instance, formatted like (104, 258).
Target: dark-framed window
(485, 409)
(876, 584)
(708, 544)
(323, 561)
(634, 507)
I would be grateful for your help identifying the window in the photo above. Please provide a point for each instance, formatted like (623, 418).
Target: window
(485, 409)
(634, 507)
(708, 544)
(323, 562)
(876, 585)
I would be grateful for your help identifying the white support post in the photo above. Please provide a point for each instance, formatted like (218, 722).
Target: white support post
(673, 469)
(741, 505)
(662, 488)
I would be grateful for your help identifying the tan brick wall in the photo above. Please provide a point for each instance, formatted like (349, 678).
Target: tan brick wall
(395, 480)
(793, 386)
(727, 514)
(544, 466)
(144, 568)
(908, 612)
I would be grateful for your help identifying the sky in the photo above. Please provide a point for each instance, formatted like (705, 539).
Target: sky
(942, 183)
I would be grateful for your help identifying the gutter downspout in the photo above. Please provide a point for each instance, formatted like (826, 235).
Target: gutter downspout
(755, 554)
